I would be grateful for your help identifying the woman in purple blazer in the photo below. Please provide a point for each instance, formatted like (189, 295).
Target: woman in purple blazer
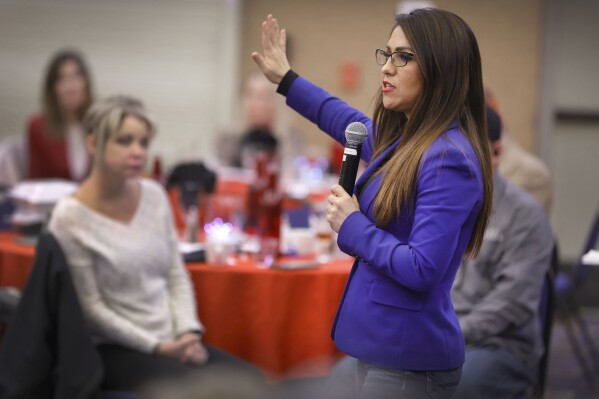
(425, 200)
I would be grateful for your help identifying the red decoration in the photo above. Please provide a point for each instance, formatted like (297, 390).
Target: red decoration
(350, 75)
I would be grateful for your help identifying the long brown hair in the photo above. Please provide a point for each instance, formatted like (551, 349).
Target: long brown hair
(53, 116)
(449, 59)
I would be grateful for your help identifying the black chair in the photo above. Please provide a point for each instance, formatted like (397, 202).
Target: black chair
(568, 309)
(546, 313)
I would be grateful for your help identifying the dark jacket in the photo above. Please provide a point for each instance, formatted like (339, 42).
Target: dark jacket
(47, 351)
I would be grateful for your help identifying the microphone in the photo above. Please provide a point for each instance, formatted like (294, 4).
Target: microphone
(355, 134)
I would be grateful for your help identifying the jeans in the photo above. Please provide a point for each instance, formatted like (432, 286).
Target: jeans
(353, 378)
(493, 374)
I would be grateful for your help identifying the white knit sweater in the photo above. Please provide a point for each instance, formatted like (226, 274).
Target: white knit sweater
(129, 277)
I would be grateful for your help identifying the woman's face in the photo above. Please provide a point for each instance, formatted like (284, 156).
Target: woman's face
(126, 152)
(70, 87)
(401, 86)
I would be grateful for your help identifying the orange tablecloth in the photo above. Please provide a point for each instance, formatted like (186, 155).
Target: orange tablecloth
(16, 261)
(278, 320)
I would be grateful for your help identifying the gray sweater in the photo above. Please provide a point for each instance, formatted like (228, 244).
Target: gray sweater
(496, 296)
(129, 277)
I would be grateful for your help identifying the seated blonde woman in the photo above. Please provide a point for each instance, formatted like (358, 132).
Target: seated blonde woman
(118, 237)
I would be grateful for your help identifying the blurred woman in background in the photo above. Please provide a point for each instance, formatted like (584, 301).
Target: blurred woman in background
(119, 240)
(55, 137)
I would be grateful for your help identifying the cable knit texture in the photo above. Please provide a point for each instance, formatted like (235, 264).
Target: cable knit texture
(130, 278)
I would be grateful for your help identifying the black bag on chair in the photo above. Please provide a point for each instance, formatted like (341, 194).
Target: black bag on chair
(192, 179)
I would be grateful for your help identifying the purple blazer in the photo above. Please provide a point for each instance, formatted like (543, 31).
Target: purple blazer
(396, 311)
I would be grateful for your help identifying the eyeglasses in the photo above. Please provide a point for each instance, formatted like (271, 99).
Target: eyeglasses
(398, 58)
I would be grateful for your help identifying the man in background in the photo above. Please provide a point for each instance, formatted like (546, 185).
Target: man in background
(496, 296)
(522, 168)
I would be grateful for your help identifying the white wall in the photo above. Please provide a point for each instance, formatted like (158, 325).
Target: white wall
(179, 56)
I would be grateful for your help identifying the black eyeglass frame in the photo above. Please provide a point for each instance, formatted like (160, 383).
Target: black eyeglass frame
(387, 55)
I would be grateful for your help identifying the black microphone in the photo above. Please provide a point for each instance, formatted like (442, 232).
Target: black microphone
(355, 134)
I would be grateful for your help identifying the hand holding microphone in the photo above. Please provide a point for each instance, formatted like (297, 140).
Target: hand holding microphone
(341, 204)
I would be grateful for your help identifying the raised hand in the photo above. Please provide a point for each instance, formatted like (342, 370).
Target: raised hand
(273, 62)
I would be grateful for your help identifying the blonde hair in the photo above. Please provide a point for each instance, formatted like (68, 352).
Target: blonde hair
(104, 118)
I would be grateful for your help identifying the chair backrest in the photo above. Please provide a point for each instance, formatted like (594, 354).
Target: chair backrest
(546, 313)
(13, 162)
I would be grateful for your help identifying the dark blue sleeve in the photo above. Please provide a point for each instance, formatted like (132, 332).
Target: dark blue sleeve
(448, 193)
(331, 114)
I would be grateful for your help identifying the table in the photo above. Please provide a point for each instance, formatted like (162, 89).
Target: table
(16, 261)
(278, 320)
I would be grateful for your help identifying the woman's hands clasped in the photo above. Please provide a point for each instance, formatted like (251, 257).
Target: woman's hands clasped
(341, 205)
(188, 348)
(273, 62)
